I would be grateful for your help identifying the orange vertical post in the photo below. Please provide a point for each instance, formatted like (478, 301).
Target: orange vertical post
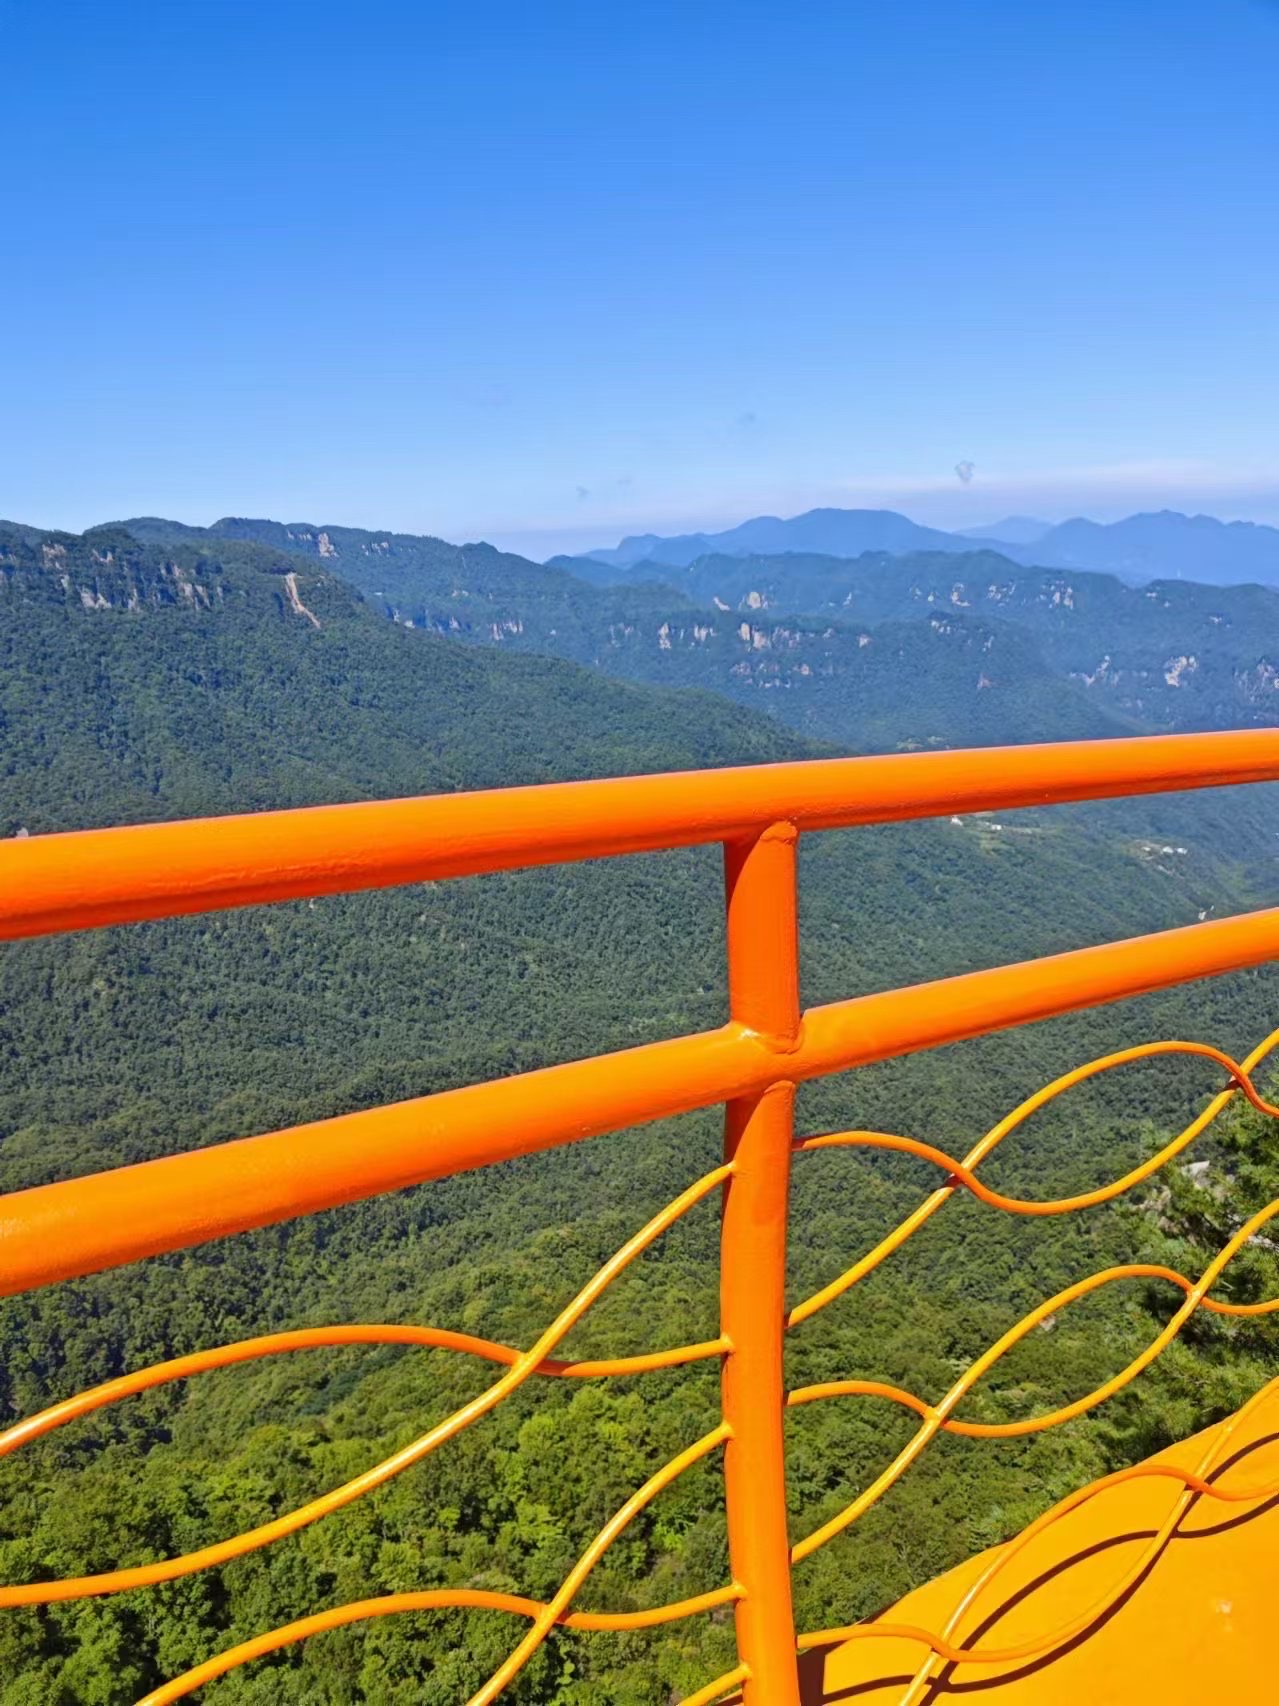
(763, 982)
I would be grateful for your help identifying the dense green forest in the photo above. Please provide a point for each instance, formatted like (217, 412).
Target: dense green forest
(144, 679)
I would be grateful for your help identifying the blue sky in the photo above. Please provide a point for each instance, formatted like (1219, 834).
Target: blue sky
(547, 273)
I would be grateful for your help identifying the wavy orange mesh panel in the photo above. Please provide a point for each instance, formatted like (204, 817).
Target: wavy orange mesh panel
(934, 1418)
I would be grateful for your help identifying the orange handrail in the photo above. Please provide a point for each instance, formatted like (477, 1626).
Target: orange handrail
(78, 1226)
(752, 1064)
(90, 878)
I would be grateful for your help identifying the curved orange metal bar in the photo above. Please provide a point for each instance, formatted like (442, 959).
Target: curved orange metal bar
(964, 1171)
(716, 1690)
(432, 1599)
(965, 1176)
(1035, 1424)
(145, 1575)
(545, 1617)
(938, 1414)
(594, 1552)
(1003, 1430)
(314, 1338)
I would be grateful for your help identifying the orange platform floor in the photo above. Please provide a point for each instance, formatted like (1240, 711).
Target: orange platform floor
(1200, 1626)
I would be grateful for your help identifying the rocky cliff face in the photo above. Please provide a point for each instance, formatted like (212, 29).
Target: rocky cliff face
(109, 570)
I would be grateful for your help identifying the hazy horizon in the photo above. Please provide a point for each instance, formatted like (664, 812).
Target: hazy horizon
(571, 544)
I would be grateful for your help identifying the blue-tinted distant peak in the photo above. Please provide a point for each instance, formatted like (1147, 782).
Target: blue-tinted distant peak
(1012, 530)
(832, 532)
(1157, 546)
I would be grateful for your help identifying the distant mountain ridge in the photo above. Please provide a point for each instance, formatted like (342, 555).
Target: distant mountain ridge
(882, 651)
(1168, 546)
(1171, 654)
(949, 679)
(836, 532)
(1162, 545)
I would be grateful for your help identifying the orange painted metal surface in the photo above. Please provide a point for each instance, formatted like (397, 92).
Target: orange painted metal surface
(761, 883)
(117, 876)
(752, 1064)
(1164, 1575)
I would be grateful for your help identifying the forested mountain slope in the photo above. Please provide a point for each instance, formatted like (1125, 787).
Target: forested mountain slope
(878, 651)
(150, 680)
(950, 679)
(1173, 654)
(138, 679)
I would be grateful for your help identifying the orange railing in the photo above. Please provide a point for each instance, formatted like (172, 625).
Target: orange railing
(752, 1064)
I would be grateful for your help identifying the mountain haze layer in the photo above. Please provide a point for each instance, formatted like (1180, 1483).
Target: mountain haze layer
(1012, 530)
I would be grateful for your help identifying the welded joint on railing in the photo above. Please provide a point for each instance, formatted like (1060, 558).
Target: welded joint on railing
(783, 830)
(777, 1044)
(78, 1226)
